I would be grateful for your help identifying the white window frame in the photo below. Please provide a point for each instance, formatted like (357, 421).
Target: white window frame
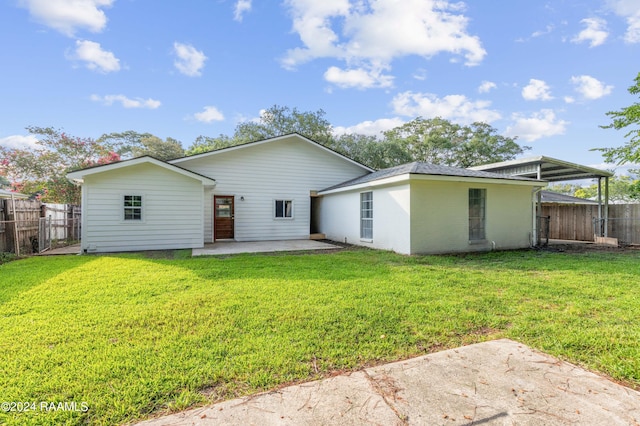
(284, 202)
(366, 216)
(478, 234)
(124, 207)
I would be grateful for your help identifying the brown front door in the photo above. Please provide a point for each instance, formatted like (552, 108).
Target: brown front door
(223, 217)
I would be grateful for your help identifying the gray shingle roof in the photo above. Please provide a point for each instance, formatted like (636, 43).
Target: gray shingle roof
(424, 169)
(554, 197)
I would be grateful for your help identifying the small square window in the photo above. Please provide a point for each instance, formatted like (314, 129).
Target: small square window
(284, 209)
(132, 207)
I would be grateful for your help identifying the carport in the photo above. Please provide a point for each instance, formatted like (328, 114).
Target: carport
(554, 170)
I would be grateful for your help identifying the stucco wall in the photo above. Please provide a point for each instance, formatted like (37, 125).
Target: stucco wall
(431, 216)
(340, 218)
(171, 210)
(440, 216)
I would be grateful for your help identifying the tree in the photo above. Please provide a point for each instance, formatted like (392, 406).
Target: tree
(565, 188)
(369, 150)
(41, 170)
(133, 144)
(277, 121)
(628, 117)
(622, 189)
(205, 144)
(438, 141)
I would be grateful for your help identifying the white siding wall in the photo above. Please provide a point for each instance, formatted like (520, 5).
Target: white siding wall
(286, 169)
(340, 218)
(172, 210)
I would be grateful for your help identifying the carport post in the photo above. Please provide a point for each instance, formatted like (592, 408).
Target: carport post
(600, 234)
(606, 206)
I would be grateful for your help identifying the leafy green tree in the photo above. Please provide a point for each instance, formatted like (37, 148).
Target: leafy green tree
(204, 144)
(278, 120)
(438, 141)
(622, 189)
(369, 150)
(41, 170)
(133, 144)
(628, 117)
(564, 188)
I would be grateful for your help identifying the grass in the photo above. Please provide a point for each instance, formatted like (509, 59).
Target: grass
(133, 335)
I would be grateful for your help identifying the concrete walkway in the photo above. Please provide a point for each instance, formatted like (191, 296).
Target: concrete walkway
(235, 247)
(500, 382)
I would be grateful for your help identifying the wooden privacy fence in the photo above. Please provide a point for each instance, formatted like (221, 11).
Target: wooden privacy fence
(28, 226)
(580, 222)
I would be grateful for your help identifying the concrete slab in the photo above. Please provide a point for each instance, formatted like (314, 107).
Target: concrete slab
(72, 249)
(236, 247)
(500, 382)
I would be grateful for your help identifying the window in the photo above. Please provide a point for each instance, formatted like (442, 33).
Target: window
(366, 215)
(477, 202)
(133, 207)
(284, 209)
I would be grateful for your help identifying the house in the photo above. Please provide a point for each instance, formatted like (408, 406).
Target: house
(423, 208)
(263, 190)
(291, 187)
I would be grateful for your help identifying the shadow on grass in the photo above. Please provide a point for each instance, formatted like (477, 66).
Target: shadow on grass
(22, 275)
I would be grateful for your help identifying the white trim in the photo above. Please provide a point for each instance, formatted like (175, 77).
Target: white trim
(414, 176)
(284, 199)
(143, 202)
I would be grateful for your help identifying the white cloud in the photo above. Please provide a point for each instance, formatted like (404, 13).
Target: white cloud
(457, 108)
(589, 87)
(540, 124)
(536, 90)
(371, 34)
(190, 61)
(209, 115)
(370, 128)
(20, 142)
(359, 78)
(242, 7)
(95, 57)
(595, 32)
(127, 102)
(486, 86)
(630, 10)
(569, 99)
(67, 16)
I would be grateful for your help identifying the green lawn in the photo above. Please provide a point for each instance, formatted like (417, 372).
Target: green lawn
(132, 336)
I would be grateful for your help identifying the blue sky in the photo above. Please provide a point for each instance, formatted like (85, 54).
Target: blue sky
(546, 72)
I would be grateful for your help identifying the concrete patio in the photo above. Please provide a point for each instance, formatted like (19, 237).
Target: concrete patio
(500, 382)
(236, 247)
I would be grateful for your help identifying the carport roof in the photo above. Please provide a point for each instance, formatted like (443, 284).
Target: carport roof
(419, 168)
(551, 169)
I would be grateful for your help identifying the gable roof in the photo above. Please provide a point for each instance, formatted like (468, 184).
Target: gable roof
(270, 140)
(78, 175)
(557, 198)
(419, 168)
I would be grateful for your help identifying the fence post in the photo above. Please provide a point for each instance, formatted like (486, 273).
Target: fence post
(16, 242)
